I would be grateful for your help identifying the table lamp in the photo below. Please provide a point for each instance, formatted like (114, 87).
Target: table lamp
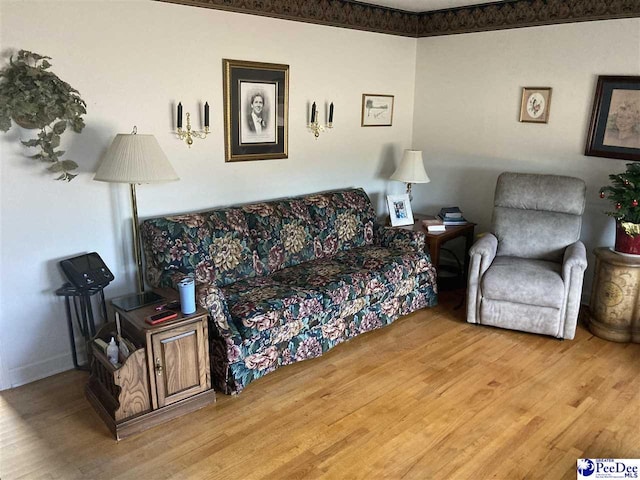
(411, 170)
(135, 159)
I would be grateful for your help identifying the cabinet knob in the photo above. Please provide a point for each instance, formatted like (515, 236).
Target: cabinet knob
(158, 367)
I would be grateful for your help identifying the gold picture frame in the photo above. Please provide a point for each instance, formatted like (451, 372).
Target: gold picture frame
(377, 110)
(256, 110)
(535, 104)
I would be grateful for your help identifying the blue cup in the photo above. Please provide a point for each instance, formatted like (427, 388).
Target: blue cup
(187, 289)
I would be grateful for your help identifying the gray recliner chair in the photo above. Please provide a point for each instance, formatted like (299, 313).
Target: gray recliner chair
(527, 273)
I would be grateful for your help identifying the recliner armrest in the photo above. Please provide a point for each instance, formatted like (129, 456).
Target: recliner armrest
(486, 248)
(575, 256)
(481, 255)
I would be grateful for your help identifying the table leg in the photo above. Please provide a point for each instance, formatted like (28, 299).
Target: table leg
(434, 252)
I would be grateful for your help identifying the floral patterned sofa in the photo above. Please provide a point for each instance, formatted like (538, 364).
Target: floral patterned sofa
(287, 280)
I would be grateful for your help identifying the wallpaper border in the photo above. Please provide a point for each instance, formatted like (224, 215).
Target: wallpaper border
(491, 16)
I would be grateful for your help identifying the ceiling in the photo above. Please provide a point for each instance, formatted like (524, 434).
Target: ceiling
(424, 5)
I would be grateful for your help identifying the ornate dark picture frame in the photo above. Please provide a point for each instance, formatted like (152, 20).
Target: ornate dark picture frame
(256, 110)
(614, 130)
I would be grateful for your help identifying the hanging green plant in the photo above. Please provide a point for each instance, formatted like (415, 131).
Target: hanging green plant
(36, 98)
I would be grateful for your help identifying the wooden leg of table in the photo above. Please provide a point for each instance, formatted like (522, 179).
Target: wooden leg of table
(434, 251)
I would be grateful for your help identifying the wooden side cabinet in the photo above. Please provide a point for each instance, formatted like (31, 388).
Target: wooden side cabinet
(614, 311)
(166, 376)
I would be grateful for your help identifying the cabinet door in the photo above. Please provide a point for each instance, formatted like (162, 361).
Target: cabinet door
(181, 362)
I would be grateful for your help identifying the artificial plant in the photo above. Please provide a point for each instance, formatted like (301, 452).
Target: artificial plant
(624, 193)
(36, 98)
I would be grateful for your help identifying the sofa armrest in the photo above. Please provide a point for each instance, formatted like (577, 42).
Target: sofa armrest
(481, 255)
(210, 297)
(574, 264)
(400, 238)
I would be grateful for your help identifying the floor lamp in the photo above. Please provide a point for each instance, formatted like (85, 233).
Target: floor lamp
(135, 159)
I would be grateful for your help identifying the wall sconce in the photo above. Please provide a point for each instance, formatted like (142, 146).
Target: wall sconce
(188, 134)
(315, 126)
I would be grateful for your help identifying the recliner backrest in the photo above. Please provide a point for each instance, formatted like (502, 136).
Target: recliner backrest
(537, 216)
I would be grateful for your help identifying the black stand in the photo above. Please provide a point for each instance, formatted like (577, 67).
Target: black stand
(83, 313)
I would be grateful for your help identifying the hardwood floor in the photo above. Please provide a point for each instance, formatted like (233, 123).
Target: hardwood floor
(428, 397)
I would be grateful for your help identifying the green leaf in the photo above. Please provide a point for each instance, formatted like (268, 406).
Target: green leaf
(56, 167)
(60, 127)
(5, 123)
(69, 164)
(34, 142)
(55, 141)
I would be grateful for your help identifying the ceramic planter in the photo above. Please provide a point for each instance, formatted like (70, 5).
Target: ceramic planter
(627, 238)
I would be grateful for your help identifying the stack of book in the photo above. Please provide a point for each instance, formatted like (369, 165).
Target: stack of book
(433, 224)
(451, 216)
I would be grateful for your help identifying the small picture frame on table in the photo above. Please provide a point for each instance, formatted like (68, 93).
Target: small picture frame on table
(614, 131)
(535, 104)
(400, 210)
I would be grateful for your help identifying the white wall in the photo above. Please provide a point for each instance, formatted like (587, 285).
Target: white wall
(132, 62)
(468, 92)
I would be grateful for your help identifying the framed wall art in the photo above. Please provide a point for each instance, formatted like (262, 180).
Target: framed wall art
(256, 110)
(535, 104)
(614, 130)
(377, 110)
(400, 210)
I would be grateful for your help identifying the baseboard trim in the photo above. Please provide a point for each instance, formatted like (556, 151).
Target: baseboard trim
(39, 370)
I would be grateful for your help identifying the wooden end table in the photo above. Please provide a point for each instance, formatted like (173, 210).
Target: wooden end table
(434, 241)
(166, 375)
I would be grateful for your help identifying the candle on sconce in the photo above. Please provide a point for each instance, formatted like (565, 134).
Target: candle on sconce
(179, 115)
(331, 113)
(313, 112)
(206, 114)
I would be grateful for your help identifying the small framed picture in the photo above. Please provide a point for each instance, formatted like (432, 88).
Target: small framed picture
(256, 110)
(377, 110)
(536, 102)
(400, 210)
(614, 131)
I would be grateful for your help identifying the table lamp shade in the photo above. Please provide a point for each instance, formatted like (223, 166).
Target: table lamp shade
(135, 158)
(411, 168)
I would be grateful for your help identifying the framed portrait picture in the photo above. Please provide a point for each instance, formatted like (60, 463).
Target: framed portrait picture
(400, 210)
(614, 131)
(256, 110)
(377, 110)
(535, 105)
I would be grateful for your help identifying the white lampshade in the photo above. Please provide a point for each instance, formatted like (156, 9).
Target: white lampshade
(411, 168)
(134, 158)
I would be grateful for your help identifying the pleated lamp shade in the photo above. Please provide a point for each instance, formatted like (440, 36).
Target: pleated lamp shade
(134, 158)
(411, 168)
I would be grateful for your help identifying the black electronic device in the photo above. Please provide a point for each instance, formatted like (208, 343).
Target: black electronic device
(160, 317)
(87, 271)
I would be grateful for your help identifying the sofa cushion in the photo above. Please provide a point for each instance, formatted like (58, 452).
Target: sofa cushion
(282, 232)
(375, 272)
(344, 219)
(258, 304)
(544, 285)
